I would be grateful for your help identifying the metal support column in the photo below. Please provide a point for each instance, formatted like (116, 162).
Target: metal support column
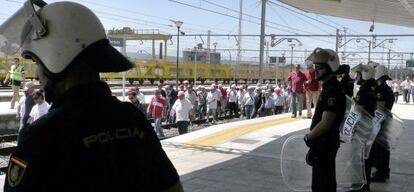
(165, 50)
(369, 51)
(389, 58)
(262, 40)
(239, 43)
(337, 41)
(178, 58)
(123, 73)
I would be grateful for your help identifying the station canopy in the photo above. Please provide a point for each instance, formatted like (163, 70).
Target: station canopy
(396, 12)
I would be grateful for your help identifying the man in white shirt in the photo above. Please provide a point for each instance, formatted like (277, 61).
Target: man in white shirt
(267, 107)
(191, 95)
(217, 91)
(25, 105)
(141, 96)
(232, 99)
(40, 109)
(248, 102)
(412, 90)
(240, 98)
(406, 85)
(212, 98)
(396, 90)
(279, 101)
(182, 110)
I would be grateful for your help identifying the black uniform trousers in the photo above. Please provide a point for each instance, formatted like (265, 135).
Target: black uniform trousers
(323, 171)
(381, 160)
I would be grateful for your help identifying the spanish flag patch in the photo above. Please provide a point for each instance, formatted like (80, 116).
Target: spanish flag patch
(16, 171)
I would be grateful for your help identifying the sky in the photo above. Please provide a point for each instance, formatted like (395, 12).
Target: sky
(220, 17)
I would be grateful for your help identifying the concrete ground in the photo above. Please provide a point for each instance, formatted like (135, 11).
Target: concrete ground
(251, 161)
(245, 155)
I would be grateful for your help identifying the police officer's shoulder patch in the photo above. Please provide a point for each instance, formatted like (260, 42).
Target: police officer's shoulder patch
(16, 170)
(331, 101)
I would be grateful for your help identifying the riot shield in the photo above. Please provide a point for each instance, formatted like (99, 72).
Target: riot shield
(297, 175)
(391, 129)
(351, 118)
(355, 132)
(359, 125)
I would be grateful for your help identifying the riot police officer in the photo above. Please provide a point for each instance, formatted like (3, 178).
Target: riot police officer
(385, 101)
(323, 139)
(89, 140)
(366, 99)
(346, 81)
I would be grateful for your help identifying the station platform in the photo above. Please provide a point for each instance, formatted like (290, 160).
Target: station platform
(244, 156)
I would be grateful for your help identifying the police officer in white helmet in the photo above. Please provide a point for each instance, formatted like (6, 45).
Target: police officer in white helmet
(365, 98)
(385, 101)
(89, 140)
(323, 138)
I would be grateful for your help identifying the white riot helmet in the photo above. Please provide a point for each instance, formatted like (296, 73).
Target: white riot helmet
(373, 64)
(325, 56)
(368, 72)
(381, 71)
(56, 34)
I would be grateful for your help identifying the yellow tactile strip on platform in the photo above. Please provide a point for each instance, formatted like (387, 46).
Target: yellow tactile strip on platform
(235, 132)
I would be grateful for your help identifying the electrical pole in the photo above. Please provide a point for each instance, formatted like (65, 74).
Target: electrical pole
(195, 65)
(337, 41)
(369, 51)
(291, 59)
(208, 47)
(389, 58)
(239, 43)
(262, 40)
(123, 50)
(178, 58)
(267, 53)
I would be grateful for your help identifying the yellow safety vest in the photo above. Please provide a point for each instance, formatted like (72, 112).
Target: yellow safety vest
(16, 72)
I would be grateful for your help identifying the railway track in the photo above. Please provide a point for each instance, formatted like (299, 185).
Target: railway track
(8, 141)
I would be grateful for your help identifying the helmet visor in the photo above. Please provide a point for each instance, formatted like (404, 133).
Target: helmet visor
(15, 30)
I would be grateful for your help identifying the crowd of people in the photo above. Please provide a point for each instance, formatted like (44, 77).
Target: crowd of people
(404, 88)
(300, 91)
(187, 104)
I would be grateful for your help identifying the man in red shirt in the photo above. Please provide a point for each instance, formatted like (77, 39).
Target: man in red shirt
(223, 99)
(296, 79)
(312, 89)
(156, 110)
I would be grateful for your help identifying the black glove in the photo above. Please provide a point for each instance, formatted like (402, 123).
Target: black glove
(311, 157)
(308, 142)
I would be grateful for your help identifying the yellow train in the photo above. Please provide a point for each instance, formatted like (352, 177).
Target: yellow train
(156, 70)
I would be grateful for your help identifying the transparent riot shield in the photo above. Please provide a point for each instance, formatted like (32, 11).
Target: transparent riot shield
(297, 175)
(391, 128)
(350, 120)
(355, 132)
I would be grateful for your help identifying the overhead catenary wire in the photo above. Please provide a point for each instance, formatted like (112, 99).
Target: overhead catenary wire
(223, 14)
(310, 24)
(147, 15)
(299, 13)
(234, 17)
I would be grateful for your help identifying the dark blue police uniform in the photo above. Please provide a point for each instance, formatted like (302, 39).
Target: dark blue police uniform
(379, 155)
(324, 148)
(348, 84)
(367, 99)
(90, 141)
